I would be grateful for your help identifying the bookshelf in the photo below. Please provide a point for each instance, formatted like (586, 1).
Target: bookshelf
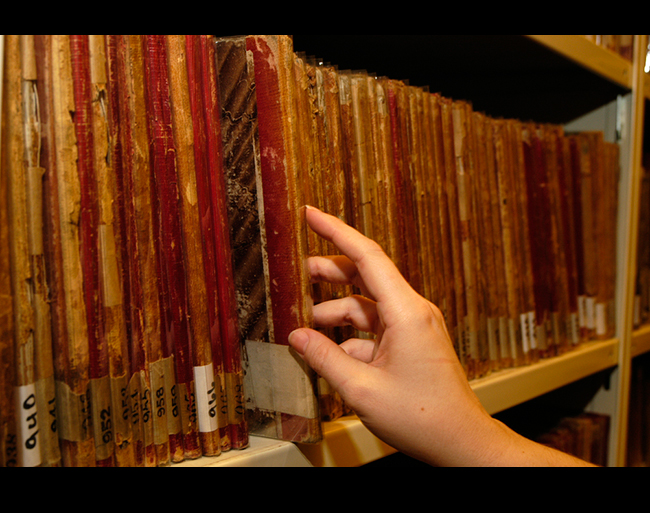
(555, 79)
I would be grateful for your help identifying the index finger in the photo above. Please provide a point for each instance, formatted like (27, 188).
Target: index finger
(380, 275)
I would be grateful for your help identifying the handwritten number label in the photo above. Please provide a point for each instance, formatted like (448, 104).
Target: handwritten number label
(29, 454)
(206, 398)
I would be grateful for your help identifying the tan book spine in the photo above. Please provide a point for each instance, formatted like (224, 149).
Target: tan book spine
(73, 391)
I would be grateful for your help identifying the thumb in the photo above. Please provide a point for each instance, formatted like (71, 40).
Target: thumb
(326, 358)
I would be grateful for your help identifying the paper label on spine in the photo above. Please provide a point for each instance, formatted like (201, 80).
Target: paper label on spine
(601, 320)
(277, 381)
(206, 398)
(29, 451)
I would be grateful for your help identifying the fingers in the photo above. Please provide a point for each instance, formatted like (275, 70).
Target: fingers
(326, 358)
(376, 271)
(356, 311)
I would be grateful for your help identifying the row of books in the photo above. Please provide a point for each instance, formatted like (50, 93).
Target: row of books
(585, 436)
(119, 341)
(153, 241)
(508, 226)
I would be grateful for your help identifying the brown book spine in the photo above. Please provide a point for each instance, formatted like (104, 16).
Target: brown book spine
(74, 418)
(115, 256)
(284, 218)
(462, 332)
(21, 131)
(44, 365)
(506, 197)
(168, 229)
(442, 216)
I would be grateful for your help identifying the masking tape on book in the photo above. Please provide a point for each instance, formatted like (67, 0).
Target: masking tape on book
(277, 380)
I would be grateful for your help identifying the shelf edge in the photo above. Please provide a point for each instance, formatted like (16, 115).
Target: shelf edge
(509, 388)
(579, 49)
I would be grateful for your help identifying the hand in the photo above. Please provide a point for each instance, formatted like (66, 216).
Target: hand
(407, 386)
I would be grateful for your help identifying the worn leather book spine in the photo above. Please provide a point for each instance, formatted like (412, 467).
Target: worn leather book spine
(168, 229)
(20, 130)
(590, 262)
(442, 217)
(244, 190)
(74, 418)
(34, 180)
(115, 256)
(487, 240)
(207, 393)
(285, 232)
(506, 197)
(227, 300)
(565, 200)
(90, 234)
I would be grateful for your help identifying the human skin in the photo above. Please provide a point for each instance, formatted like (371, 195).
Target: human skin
(407, 386)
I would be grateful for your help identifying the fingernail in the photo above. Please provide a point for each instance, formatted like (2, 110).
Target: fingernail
(299, 340)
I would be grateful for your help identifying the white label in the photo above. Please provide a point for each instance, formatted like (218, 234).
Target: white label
(532, 319)
(206, 398)
(591, 313)
(278, 381)
(582, 311)
(29, 454)
(601, 320)
(525, 333)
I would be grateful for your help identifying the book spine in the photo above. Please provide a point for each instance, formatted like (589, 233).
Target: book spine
(20, 130)
(73, 388)
(113, 239)
(90, 233)
(34, 174)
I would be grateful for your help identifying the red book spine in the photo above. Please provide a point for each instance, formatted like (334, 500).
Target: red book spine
(168, 224)
(89, 235)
